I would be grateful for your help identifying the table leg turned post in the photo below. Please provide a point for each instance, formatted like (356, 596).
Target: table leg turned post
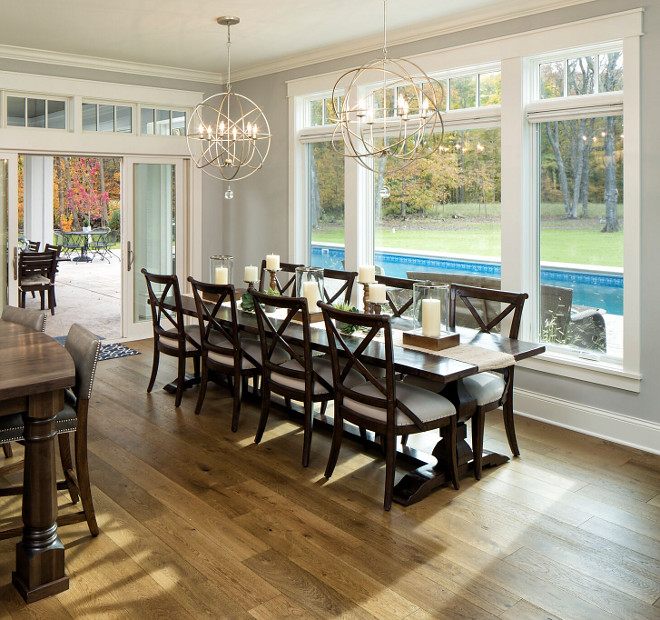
(40, 554)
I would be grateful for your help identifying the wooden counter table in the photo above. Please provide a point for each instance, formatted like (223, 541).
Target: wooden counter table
(34, 372)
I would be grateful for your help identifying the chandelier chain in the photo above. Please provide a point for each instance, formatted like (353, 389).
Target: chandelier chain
(228, 57)
(385, 29)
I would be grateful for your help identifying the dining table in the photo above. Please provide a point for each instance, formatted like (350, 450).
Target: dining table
(35, 371)
(438, 367)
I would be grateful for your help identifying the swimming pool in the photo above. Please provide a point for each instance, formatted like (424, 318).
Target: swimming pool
(591, 289)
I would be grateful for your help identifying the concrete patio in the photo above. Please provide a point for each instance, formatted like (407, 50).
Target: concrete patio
(89, 294)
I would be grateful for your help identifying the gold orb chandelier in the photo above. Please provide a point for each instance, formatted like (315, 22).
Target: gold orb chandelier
(390, 108)
(228, 134)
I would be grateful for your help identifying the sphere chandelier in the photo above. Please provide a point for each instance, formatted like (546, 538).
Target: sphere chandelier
(228, 134)
(389, 108)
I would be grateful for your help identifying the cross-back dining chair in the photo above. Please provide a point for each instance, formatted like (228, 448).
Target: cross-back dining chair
(224, 349)
(36, 274)
(33, 246)
(385, 405)
(171, 335)
(84, 348)
(285, 280)
(490, 389)
(338, 285)
(303, 377)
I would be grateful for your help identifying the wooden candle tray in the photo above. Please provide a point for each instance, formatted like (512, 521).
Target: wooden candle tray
(415, 338)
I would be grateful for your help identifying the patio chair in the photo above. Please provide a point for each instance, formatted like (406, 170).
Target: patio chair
(101, 240)
(385, 406)
(71, 244)
(84, 348)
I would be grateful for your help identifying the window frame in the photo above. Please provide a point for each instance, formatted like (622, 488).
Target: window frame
(46, 98)
(519, 240)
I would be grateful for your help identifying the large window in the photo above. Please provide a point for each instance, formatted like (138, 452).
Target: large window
(526, 193)
(442, 209)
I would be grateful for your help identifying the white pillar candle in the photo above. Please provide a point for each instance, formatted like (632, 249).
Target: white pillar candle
(251, 273)
(377, 293)
(366, 274)
(273, 262)
(431, 318)
(221, 275)
(310, 291)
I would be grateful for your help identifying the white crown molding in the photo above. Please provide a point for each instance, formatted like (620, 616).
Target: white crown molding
(106, 64)
(506, 11)
(614, 427)
(474, 19)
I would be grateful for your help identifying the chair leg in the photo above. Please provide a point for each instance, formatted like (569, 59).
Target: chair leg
(238, 395)
(181, 380)
(265, 406)
(82, 469)
(43, 301)
(202, 388)
(509, 424)
(196, 366)
(67, 466)
(154, 368)
(478, 422)
(7, 449)
(451, 456)
(324, 406)
(51, 301)
(390, 469)
(308, 427)
(337, 434)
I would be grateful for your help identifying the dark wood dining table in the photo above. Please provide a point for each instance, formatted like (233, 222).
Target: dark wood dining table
(35, 371)
(447, 373)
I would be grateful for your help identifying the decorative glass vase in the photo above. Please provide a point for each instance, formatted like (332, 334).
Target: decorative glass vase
(220, 269)
(309, 284)
(431, 308)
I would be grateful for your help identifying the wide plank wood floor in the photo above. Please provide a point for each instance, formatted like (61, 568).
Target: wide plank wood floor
(199, 522)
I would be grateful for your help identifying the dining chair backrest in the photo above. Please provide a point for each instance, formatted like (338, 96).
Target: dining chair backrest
(399, 294)
(165, 319)
(216, 335)
(285, 280)
(49, 247)
(338, 285)
(34, 319)
(32, 264)
(346, 354)
(84, 347)
(33, 246)
(510, 303)
(274, 341)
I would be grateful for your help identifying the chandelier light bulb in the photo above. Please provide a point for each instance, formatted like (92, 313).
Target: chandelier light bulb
(384, 192)
(229, 194)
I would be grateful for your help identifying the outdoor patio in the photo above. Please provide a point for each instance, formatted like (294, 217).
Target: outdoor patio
(87, 293)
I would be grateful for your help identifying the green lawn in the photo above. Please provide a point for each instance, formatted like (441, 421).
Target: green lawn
(561, 245)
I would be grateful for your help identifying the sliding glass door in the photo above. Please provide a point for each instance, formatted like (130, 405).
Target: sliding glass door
(8, 229)
(152, 237)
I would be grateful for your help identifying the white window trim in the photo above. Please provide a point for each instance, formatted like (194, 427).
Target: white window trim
(518, 223)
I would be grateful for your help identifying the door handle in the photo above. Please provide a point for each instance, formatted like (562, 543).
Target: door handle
(15, 263)
(130, 257)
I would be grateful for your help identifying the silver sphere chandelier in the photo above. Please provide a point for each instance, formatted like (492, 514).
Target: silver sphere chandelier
(389, 108)
(228, 134)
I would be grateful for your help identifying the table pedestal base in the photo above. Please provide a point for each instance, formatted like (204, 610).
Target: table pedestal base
(188, 382)
(417, 484)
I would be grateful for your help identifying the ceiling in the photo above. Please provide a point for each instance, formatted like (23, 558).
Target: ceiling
(185, 35)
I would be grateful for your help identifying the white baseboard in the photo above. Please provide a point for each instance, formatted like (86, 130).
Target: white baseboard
(621, 429)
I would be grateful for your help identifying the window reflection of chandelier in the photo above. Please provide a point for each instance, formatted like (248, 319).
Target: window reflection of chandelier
(228, 134)
(389, 108)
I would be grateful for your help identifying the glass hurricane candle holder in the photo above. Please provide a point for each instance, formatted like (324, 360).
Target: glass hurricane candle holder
(309, 284)
(431, 308)
(220, 269)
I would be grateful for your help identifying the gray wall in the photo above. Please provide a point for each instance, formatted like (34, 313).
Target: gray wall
(257, 219)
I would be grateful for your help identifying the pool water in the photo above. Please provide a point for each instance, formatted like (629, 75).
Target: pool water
(590, 289)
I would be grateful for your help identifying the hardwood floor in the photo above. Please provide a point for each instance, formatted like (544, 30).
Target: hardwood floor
(197, 521)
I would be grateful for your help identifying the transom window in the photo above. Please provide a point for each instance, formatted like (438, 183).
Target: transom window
(36, 112)
(106, 117)
(160, 122)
